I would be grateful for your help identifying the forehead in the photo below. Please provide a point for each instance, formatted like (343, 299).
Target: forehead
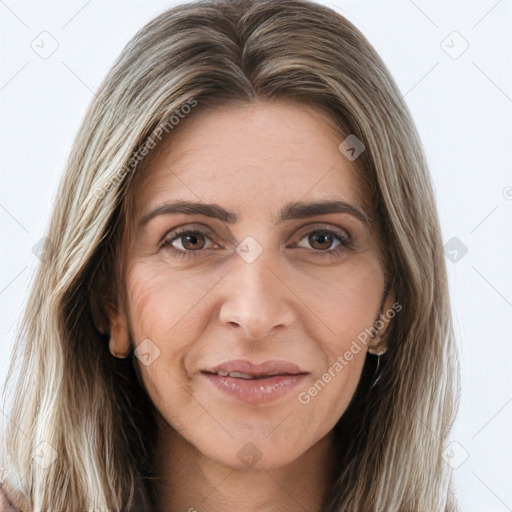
(252, 157)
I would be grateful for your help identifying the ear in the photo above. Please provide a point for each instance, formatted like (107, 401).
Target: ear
(119, 343)
(378, 343)
(110, 319)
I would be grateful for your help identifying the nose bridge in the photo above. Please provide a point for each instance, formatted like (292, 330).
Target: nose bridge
(256, 299)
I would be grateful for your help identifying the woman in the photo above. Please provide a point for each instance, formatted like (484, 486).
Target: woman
(244, 301)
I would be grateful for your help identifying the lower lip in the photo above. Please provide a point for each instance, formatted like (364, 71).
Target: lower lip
(256, 391)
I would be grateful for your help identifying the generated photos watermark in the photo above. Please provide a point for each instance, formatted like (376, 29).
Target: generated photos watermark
(171, 122)
(304, 397)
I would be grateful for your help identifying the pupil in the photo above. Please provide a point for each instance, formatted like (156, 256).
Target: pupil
(323, 238)
(190, 239)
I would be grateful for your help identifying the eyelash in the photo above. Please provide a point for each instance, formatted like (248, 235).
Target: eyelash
(346, 243)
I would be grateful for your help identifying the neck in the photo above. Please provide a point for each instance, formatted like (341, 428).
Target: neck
(190, 481)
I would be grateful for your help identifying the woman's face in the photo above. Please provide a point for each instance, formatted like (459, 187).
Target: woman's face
(257, 283)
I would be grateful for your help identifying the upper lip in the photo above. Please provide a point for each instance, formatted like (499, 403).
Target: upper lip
(257, 370)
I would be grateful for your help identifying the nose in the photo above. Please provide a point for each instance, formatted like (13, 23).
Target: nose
(256, 298)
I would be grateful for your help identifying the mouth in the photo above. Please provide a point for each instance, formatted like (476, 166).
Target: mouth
(255, 383)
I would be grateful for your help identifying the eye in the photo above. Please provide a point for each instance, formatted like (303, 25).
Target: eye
(322, 240)
(186, 241)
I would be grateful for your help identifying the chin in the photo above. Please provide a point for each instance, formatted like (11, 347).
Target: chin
(247, 454)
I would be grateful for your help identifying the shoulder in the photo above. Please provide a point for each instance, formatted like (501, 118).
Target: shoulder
(7, 501)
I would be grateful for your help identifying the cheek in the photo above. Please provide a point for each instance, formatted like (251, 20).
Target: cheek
(355, 308)
(346, 300)
(161, 301)
(155, 311)
(166, 311)
(348, 307)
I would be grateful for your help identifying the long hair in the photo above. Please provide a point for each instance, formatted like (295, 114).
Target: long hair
(81, 427)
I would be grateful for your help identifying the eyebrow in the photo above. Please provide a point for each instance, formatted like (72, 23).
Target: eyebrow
(291, 211)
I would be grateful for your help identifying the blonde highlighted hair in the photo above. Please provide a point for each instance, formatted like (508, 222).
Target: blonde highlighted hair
(89, 411)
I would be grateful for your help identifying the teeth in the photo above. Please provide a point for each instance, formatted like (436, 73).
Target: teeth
(238, 375)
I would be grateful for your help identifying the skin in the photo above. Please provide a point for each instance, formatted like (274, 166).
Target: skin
(292, 303)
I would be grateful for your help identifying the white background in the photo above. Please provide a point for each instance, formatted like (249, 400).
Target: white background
(463, 110)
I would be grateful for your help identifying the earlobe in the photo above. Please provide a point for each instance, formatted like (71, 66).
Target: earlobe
(378, 345)
(119, 342)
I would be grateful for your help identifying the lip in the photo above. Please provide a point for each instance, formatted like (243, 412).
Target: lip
(271, 379)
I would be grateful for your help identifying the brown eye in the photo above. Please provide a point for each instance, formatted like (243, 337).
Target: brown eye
(320, 240)
(329, 243)
(186, 240)
(192, 241)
